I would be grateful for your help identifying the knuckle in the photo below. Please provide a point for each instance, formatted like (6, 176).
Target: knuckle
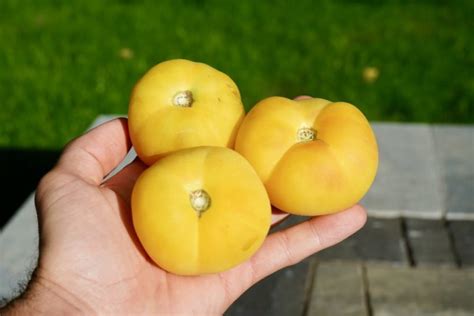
(315, 234)
(284, 243)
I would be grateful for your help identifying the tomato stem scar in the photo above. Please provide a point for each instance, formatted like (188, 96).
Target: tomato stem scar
(200, 201)
(183, 99)
(305, 134)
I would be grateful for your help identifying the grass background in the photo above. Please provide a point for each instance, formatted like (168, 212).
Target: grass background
(64, 62)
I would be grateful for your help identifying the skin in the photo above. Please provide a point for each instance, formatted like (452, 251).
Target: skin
(92, 263)
(212, 118)
(176, 236)
(314, 156)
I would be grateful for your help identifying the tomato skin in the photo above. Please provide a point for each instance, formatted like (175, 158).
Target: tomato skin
(160, 123)
(180, 239)
(307, 176)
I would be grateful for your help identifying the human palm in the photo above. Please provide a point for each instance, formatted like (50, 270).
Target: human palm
(91, 258)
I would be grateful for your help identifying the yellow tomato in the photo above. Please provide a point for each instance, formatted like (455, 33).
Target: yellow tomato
(200, 210)
(179, 104)
(314, 156)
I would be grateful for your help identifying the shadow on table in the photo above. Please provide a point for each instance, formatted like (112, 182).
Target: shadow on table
(21, 170)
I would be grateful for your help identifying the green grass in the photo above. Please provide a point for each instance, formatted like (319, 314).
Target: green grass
(60, 62)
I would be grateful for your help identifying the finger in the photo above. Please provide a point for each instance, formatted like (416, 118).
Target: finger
(278, 216)
(93, 155)
(290, 246)
(303, 97)
(122, 183)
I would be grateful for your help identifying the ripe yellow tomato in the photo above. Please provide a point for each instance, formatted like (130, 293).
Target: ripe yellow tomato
(314, 156)
(179, 104)
(200, 210)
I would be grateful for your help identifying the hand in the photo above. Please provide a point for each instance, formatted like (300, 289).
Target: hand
(92, 262)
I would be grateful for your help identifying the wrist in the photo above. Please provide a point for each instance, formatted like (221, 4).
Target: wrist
(43, 297)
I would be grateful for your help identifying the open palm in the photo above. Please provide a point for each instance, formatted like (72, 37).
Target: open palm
(91, 258)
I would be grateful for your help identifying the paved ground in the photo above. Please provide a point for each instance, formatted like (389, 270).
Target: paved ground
(415, 256)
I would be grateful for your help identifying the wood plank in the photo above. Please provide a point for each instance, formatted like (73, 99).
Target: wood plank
(283, 293)
(338, 289)
(427, 291)
(463, 239)
(18, 250)
(408, 182)
(429, 243)
(378, 240)
(454, 148)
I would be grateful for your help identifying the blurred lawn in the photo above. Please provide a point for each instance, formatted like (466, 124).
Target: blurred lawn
(64, 62)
